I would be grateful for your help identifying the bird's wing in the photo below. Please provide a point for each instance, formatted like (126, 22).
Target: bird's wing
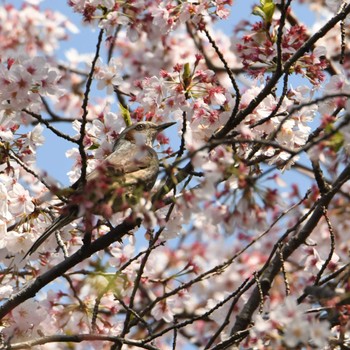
(122, 169)
(57, 224)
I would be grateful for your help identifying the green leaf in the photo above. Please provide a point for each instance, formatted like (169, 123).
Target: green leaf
(257, 11)
(265, 10)
(125, 115)
(268, 8)
(93, 146)
(187, 71)
(187, 76)
(336, 141)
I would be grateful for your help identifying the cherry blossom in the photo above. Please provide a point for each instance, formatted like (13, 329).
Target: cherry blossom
(258, 52)
(108, 76)
(32, 30)
(20, 200)
(162, 310)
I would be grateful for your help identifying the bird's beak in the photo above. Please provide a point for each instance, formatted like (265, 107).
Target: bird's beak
(164, 126)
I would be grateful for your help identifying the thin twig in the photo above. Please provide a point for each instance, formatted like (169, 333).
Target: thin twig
(47, 124)
(331, 252)
(84, 106)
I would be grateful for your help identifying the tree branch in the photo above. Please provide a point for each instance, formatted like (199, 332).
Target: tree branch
(78, 338)
(237, 119)
(244, 317)
(85, 110)
(84, 252)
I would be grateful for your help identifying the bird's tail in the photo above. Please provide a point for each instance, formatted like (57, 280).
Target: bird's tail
(57, 224)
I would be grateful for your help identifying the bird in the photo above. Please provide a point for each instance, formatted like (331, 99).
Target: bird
(132, 167)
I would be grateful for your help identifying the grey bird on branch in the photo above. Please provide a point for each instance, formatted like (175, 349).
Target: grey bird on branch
(128, 171)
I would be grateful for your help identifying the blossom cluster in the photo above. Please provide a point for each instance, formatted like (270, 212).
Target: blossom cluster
(258, 51)
(145, 14)
(23, 81)
(170, 94)
(31, 31)
(289, 324)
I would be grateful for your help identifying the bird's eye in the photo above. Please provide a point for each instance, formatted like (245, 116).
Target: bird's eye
(140, 127)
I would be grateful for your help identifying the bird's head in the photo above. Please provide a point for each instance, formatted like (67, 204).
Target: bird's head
(142, 133)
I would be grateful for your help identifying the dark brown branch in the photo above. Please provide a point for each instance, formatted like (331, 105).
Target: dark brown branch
(78, 338)
(282, 23)
(331, 252)
(236, 120)
(112, 43)
(225, 264)
(226, 321)
(73, 70)
(227, 68)
(294, 22)
(234, 296)
(208, 61)
(52, 114)
(83, 253)
(85, 110)
(298, 108)
(182, 146)
(318, 175)
(244, 317)
(128, 323)
(14, 157)
(58, 133)
(129, 313)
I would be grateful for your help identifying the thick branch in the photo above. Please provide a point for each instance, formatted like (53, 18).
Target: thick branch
(84, 252)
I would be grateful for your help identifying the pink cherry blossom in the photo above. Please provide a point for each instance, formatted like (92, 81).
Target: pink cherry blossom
(20, 202)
